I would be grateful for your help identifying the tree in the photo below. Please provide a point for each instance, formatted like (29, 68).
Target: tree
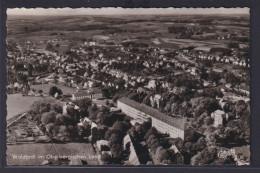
(100, 118)
(21, 78)
(107, 159)
(208, 120)
(104, 109)
(231, 78)
(53, 90)
(49, 47)
(200, 144)
(30, 69)
(224, 161)
(240, 108)
(57, 108)
(93, 110)
(83, 105)
(159, 155)
(147, 100)
(48, 117)
(49, 127)
(73, 115)
(214, 77)
(63, 130)
(233, 45)
(207, 63)
(150, 132)
(206, 156)
(120, 128)
(203, 74)
(115, 144)
(26, 29)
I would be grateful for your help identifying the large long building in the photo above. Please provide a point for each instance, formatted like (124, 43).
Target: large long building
(174, 126)
(93, 93)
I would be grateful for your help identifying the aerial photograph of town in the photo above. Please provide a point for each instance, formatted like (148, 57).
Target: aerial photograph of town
(128, 87)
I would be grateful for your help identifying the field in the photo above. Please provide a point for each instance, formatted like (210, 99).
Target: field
(16, 104)
(69, 149)
(46, 87)
(114, 29)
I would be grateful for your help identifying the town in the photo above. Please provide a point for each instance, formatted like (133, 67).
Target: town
(129, 90)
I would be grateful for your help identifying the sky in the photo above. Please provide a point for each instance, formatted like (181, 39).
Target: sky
(124, 11)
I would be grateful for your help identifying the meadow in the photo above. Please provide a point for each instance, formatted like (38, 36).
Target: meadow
(46, 87)
(17, 104)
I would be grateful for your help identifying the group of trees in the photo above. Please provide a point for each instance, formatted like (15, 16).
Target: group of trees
(224, 51)
(176, 29)
(55, 90)
(42, 68)
(235, 131)
(115, 136)
(210, 92)
(48, 114)
(118, 125)
(209, 155)
(134, 44)
(138, 131)
(159, 149)
(189, 148)
(200, 105)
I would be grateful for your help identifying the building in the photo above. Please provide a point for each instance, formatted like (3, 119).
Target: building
(175, 127)
(97, 132)
(219, 117)
(96, 93)
(80, 95)
(93, 93)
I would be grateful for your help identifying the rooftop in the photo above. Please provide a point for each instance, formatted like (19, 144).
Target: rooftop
(177, 122)
(79, 94)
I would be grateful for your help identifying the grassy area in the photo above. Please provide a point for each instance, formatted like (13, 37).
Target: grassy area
(69, 149)
(17, 104)
(46, 87)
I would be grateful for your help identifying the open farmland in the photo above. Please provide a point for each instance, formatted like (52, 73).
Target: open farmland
(70, 149)
(116, 29)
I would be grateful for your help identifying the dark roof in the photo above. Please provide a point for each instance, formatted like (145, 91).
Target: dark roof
(177, 122)
(95, 91)
(79, 94)
(88, 92)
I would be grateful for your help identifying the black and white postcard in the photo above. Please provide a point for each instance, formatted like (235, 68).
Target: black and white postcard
(128, 86)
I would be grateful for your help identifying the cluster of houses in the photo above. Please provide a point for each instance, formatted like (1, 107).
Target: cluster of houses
(225, 59)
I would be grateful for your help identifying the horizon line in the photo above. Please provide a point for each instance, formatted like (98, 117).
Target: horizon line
(126, 11)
